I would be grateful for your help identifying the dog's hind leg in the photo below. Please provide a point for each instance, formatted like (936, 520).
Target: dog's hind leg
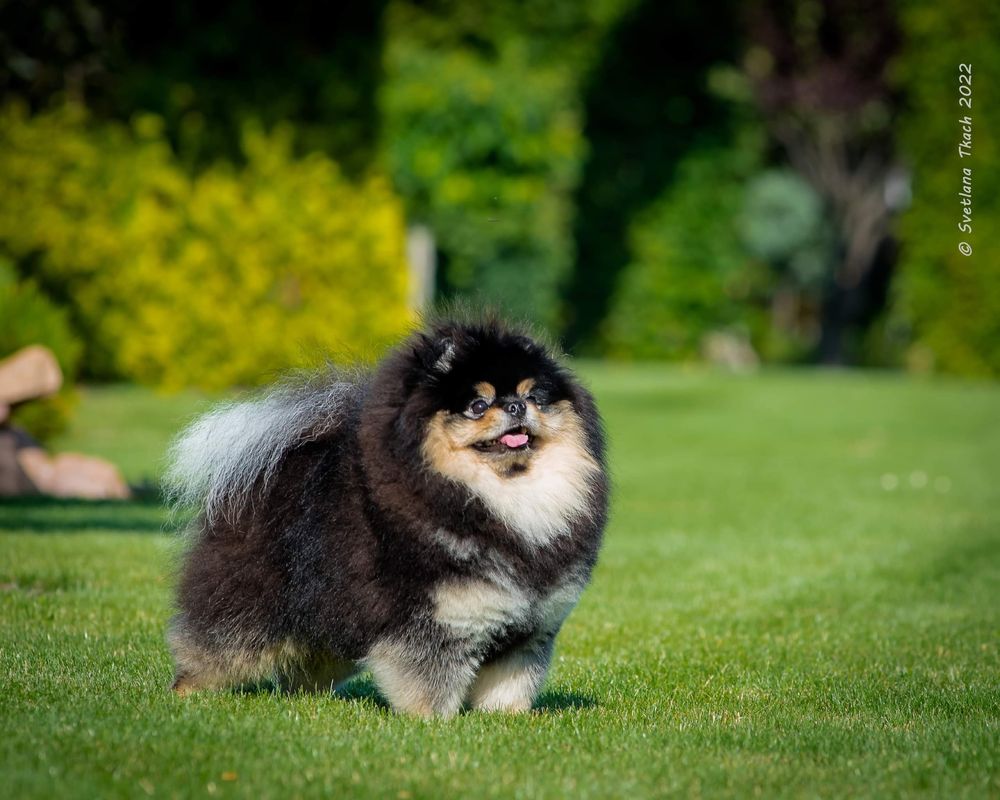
(197, 668)
(201, 666)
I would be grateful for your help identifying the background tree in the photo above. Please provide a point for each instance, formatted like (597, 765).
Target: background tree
(820, 74)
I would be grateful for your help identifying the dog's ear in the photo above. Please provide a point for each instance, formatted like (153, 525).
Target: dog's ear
(435, 352)
(528, 344)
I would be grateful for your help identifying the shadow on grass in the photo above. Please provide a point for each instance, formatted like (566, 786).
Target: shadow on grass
(143, 514)
(362, 689)
(558, 700)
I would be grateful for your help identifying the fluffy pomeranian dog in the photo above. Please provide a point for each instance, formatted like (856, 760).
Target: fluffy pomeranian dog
(433, 521)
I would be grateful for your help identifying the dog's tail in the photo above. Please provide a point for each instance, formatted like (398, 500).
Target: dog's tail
(217, 461)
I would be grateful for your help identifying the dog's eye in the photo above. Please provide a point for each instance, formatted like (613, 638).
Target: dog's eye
(478, 407)
(537, 399)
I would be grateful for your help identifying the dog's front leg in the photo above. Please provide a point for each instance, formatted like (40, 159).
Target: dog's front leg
(423, 675)
(512, 682)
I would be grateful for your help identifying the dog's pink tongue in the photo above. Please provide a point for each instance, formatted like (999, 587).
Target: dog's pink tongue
(514, 439)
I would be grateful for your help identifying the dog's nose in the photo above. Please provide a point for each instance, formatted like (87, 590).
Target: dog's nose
(516, 408)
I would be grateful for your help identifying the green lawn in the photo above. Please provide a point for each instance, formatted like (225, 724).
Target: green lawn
(799, 596)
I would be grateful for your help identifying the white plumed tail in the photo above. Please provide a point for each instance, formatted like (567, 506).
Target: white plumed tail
(220, 457)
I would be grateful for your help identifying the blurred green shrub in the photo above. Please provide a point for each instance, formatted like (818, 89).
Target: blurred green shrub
(690, 272)
(783, 222)
(483, 136)
(28, 317)
(212, 280)
(487, 157)
(947, 304)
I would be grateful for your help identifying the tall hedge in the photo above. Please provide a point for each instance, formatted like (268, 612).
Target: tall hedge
(947, 303)
(221, 278)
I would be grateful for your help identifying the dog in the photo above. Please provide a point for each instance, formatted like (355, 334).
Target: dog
(433, 520)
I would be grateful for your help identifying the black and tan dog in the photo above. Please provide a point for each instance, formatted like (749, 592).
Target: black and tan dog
(434, 522)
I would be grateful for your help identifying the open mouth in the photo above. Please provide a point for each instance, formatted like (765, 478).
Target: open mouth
(514, 439)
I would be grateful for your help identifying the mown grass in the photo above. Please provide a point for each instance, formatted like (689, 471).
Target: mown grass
(798, 596)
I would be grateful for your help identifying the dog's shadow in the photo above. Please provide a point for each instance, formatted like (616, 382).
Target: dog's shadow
(363, 690)
(559, 700)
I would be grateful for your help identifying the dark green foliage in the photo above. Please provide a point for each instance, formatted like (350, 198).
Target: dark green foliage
(689, 272)
(948, 304)
(54, 49)
(206, 68)
(490, 110)
(784, 223)
(483, 139)
(28, 317)
(646, 103)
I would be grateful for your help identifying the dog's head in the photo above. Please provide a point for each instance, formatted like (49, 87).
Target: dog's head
(497, 400)
(490, 409)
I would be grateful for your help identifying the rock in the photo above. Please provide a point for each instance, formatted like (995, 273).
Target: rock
(730, 350)
(25, 467)
(29, 373)
(73, 475)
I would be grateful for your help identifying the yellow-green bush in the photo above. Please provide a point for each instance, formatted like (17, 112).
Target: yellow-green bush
(222, 278)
